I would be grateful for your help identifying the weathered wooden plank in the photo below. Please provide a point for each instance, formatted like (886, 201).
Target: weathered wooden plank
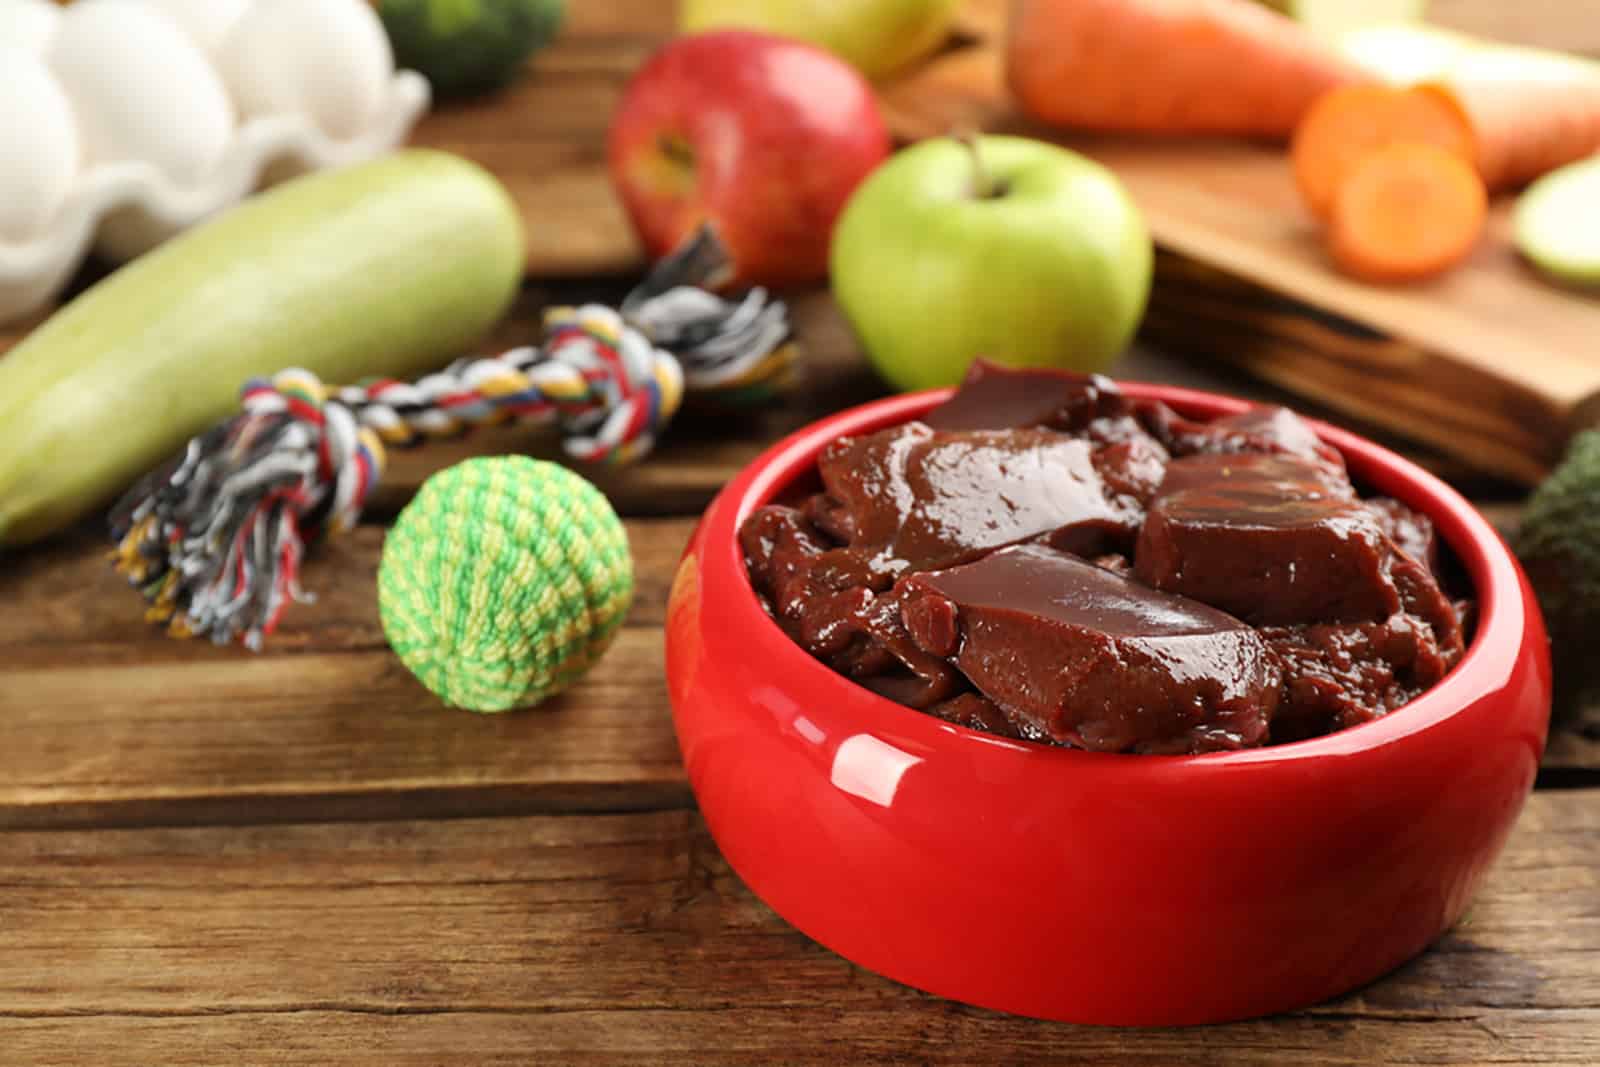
(619, 18)
(1490, 422)
(221, 736)
(1575, 743)
(544, 137)
(74, 611)
(109, 722)
(606, 938)
(804, 1033)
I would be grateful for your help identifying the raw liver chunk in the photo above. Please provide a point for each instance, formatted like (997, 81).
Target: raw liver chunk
(1267, 430)
(786, 555)
(918, 499)
(995, 397)
(1338, 676)
(1410, 530)
(1093, 659)
(978, 713)
(1046, 559)
(1267, 539)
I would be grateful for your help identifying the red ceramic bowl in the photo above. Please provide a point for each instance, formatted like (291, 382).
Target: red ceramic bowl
(1096, 888)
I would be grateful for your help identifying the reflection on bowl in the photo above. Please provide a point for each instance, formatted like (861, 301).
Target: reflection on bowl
(1128, 890)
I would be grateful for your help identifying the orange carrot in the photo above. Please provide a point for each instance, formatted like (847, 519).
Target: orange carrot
(1406, 212)
(1529, 112)
(1166, 66)
(1352, 121)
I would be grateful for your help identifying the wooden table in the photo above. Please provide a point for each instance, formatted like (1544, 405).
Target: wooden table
(299, 857)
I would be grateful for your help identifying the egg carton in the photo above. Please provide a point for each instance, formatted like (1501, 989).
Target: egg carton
(229, 96)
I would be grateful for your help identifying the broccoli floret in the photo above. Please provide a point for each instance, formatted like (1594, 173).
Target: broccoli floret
(466, 47)
(1559, 544)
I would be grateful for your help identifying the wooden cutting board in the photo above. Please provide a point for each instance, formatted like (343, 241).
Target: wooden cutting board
(1491, 364)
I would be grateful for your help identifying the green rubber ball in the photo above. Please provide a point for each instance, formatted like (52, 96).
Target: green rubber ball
(503, 581)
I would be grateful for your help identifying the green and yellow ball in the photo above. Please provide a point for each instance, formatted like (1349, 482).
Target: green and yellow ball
(503, 581)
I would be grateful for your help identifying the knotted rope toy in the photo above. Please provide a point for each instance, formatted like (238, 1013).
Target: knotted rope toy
(502, 581)
(214, 540)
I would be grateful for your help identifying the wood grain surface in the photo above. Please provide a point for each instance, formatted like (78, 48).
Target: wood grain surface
(626, 938)
(299, 857)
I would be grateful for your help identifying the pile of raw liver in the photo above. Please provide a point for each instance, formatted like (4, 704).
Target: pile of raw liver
(1043, 557)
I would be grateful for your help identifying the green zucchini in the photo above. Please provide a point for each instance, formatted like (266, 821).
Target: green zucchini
(387, 268)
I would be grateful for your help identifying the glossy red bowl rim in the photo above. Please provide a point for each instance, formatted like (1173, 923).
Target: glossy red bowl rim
(1488, 663)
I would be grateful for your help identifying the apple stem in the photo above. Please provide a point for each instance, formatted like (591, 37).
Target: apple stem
(983, 183)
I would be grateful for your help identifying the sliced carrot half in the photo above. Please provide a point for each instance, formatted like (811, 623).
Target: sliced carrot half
(1347, 124)
(1406, 212)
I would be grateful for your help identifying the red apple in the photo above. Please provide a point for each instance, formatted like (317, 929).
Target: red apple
(762, 136)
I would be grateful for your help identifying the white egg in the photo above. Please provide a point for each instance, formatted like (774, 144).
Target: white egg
(28, 24)
(141, 90)
(207, 22)
(38, 145)
(326, 59)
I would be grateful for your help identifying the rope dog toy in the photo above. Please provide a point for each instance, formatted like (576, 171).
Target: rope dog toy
(214, 540)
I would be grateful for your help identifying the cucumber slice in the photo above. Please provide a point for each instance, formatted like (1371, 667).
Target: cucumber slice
(1557, 226)
(1329, 19)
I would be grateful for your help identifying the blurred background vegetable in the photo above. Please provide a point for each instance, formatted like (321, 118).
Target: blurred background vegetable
(1133, 65)
(469, 47)
(1558, 223)
(1559, 544)
(877, 37)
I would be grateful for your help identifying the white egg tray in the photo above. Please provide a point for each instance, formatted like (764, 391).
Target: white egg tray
(123, 207)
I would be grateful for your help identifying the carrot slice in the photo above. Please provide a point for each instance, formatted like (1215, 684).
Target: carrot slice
(1167, 66)
(1531, 110)
(1406, 212)
(1350, 122)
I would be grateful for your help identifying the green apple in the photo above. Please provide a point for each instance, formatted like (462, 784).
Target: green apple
(877, 37)
(1002, 247)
